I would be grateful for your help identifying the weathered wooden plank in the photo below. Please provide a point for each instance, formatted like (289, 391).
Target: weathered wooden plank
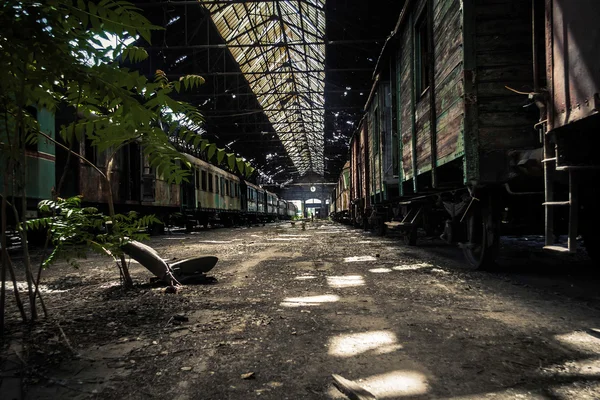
(501, 27)
(498, 89)
(505, 74)
(504, 58)
(505, 104)
(450, 126)
(507, 137)
(449, 90)
(502, 42)
(448, 137)
(501, 10)
(504, 119)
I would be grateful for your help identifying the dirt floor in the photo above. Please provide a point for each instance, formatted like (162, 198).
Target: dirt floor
(291, 307)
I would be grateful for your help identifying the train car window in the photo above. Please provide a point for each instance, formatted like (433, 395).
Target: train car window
(223, 191)
(217, 184)
(422, 52)
(204, 180)
(197, 174)
(210, 182)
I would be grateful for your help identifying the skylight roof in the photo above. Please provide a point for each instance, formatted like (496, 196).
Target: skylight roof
(280, 47)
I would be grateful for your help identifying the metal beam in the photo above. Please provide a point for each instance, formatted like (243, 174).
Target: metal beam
(211, 2)
(280, 110)
(270, 44)
(177, 76)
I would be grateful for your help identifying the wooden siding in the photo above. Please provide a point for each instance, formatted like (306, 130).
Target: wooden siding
(405, 59)
(504, 58)
(448, 75)
(379, 118)
(364, 157)
(448, 90)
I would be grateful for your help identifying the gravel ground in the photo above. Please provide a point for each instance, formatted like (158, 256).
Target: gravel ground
(291, 307)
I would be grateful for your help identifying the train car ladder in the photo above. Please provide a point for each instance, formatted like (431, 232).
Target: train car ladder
(551, 168)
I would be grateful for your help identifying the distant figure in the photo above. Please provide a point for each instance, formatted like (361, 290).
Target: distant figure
(312, 217)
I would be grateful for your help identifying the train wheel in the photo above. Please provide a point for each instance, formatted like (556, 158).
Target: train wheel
(483, 235)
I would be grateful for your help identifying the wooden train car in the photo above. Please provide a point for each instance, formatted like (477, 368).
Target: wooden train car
(454, 126)
(340, 197)
(360, 202)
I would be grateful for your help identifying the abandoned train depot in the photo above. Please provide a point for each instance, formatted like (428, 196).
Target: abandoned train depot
(300, 199)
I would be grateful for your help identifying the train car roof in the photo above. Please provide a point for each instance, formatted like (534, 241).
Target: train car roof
(210, 167)
(252, 185)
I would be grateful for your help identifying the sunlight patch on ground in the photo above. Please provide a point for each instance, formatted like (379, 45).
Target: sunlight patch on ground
(380, 270)
(309, 300)
(215, 241)
(352, 344)
(396, 383)
(345, 281)
(411, 267)
(110, 284)
(359, 258)
(22, 287)
(587, 368)
(517, 394)
(582, 390)
(364, 242)
(391, 385)
(296, 236)
(177, 238)
(581, 341)
(305, 277)
(296, 239)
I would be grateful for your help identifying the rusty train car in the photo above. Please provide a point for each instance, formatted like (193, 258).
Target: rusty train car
(481, 117)
(339, 202)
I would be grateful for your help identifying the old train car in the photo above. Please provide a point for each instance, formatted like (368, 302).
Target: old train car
(292, 210)
(271, 206)
(212, 196)
(253, 203)
(452, 133)
(360, 202)
(281, 209)
(340, 197)
(135, 184)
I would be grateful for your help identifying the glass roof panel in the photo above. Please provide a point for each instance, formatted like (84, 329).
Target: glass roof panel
(280, 49)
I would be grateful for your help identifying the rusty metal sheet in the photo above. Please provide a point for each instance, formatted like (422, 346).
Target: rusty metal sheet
(574, 34)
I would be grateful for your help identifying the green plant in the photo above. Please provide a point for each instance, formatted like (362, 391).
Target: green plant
(73, 230)
(55, 56)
